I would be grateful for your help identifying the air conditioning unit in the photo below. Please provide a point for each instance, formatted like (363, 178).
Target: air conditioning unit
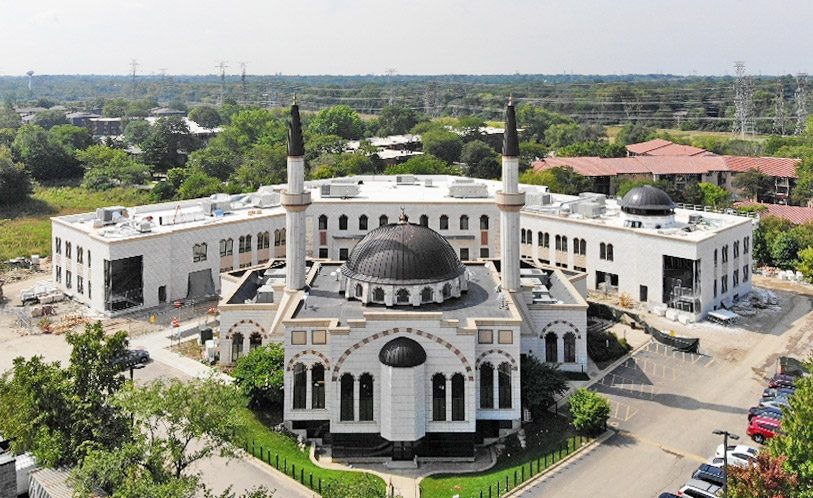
(340, 190)
(694, 219)
(405, 179)
(468, 190)
(111, 215)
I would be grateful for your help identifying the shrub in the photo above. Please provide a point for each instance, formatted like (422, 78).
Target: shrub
(589, 410)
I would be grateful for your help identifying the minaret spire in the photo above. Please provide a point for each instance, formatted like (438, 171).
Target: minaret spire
(510, 143)
(510, 201)
(296, 143)
(295, 201)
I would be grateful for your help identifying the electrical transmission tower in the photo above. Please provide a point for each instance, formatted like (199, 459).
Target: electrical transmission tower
(780, 118)
(800, 103)
(390, 73)
(133, 67)
(163, 72)
(743, 101)
(243, 86)
(222, 66)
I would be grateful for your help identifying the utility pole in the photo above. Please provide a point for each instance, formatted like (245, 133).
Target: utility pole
(743, 101)
(222, 66)
(243, 86)
(390, 73)
(133, 67)
(780, 117)
(725, 435)
(800, 102)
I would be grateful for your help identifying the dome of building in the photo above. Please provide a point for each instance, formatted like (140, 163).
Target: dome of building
(402, 352)
(647, 200)
(403, 254)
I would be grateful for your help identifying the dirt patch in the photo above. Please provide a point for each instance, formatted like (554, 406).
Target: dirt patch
(190, 349)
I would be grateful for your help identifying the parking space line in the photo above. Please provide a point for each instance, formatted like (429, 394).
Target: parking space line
(709, 363)
(667, 449)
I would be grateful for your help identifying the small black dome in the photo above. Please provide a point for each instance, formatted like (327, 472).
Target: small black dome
(403, 254)
(647, 199)
(402, 352)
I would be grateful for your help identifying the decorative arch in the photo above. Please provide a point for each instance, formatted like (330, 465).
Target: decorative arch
(557, 322)
(511, 359)
(233, 328)
(295, 357)
(408, 330)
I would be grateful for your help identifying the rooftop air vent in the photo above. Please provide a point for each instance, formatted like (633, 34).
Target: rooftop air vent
(468, 189)
(340, 190)
(405, 179)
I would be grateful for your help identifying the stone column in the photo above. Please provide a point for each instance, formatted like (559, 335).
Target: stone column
(308, 388)
(356, 398)
(496, 375)
(449, 398)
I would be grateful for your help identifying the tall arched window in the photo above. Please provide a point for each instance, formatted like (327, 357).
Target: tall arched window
(255, 340)
(505, 385)
(277, 238)
(486, 386)
(402, 296)
(609, 252)
(570, 347)
(444, 222)
(458, 397)
(558, 242)
(540, 240)
(359, 290)
(366, 397)
(300, 387)
(236, 347)
(583, 247)
(318, 386)
(547, 239)
(282, 237)
(522, 236)
(346, 409)
(427, 295)
(464, 222)
(576, 246)
(484, 222)
(551, 352)
(424, 220)
(438, 397)
(378, 294)
(343, 222)
(322, 222)
(383, 220)
(602, 251)
(363, 222)
(564, 243)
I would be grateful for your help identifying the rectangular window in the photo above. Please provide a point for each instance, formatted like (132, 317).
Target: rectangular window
(715, 288)
(724, 284)
(745, 243)
(485, 336)
(484, 252)
(59, 274)
(68, 250)
(343, 254)
(745, 273)
(464, 254)
(89, 295)
(299, 337)
(80, 284)
(80, 255)
(58, 245)
(88, 266)
(725, 254)
(323, 253)
(68, 276)
(464, 222)
(735, 278)
(319, 337)
(506, 337)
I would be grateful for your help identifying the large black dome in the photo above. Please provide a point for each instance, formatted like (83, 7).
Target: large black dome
(403, 254)
(647, 199)
(402, 352)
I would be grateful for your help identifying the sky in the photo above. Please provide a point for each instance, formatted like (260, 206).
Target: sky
(349, 37)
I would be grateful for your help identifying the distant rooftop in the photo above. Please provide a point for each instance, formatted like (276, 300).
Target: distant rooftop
(661, 147)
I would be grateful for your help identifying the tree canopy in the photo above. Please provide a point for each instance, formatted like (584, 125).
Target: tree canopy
(560, 180)
(15, 183)
(339, 120)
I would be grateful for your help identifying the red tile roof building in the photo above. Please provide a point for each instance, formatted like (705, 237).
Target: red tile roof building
(661, 147)
(795, 214)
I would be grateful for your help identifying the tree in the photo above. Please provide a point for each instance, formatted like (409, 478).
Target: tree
(15, 183)
(535, 122)
(43, 157)
(261, 374)
(633, 133)
(168, 136)
(806, 263)
(339, 120)
(767, 478)
(562, 135)
(216, 161)
(199, 184)
(49, 119)
(560, 180)
(714, 195)
(7, 136)
(115, 108)
(168, 189)
(425, 164)
(482, 160)
(530, 152)
(589, 410)
(443, 144)
(206, 116)
(397, 120)
(106, 168)
(263, 165)
(9, 118)
(469, 127)
(71, 138)
(756, 184)
(539, 384)
(137, 131)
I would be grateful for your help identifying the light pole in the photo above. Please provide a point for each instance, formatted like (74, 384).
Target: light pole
(138, 366)
(725, 435)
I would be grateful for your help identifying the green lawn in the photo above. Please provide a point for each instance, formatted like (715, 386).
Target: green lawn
(543, 438)
(25, 228)
(274, 443)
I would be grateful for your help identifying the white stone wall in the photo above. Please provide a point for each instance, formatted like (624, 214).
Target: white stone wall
(560, 321)
(93, 273)
(403, 417)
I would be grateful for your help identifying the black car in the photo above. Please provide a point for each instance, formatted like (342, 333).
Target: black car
(131, 357)
(782, 380)
(668, 495)
(710, 474)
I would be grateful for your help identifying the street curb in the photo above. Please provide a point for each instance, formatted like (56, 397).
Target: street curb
(561, 463)
(267, 468)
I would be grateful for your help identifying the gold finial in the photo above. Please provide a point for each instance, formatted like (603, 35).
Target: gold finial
(403, 218)
(511, 99)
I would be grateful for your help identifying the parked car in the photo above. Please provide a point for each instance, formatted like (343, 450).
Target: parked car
(762, 428)
(778, 391)
(782, 380)
(709, 473)
(777, 402)
(740, 455)
(131, 357)
(696, 488)
(667, 495)
(765, 411)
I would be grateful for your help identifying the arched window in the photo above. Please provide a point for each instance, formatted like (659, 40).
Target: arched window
(255, 340)
(366, 397)
(277, 238)
(282, 236)
(486, 386)
(236, 347)
(438, 397)
(241, 244)
(505, 385)
(484, 222)
(346, 409)
(583, 247)
(383, 220)
(551, 345)
(715, 257)
(564, 243)
(359, 290)
(558, 243)
(444, 222)
(378, 294)
(363, 222)
(570, 347)
(427, 295)
(609, 252)
(424, 220)
(464, 222)
(447, 291)
(300, 387)
(547, 239)
(342, 222)
(602, 251)
(402, 296)
(322, 222)
(522, 236)
(263, 240)
(318, 386)
(540, 241)
(458, 397)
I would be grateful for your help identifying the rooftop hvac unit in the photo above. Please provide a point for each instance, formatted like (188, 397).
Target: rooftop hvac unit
(215, 203)
(264, 199)
(111, 215)
(537, 199)
(594, 197)
(694, 219)
(144, 226)
(340, 190)
(428, 182)
(468, 190)
(405, 179)
(589, 209)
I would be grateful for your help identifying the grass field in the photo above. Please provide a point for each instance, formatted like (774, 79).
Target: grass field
(612, 132)
(25, 228)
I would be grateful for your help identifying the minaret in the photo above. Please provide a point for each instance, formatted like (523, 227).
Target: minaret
(510, 201)
(295, 201)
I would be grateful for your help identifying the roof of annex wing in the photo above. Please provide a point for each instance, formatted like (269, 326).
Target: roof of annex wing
(402, 352)
(403, 254)
(647, 198)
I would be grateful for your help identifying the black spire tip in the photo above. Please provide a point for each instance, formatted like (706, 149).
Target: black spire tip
(510, 143)
(296, 143)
